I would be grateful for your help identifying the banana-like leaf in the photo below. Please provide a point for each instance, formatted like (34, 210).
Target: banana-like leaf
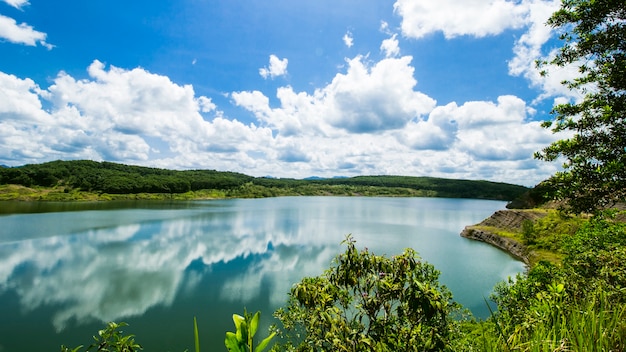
(254, 323)
(242, 329)
(264, 343)
(232, 343)
(238, 320)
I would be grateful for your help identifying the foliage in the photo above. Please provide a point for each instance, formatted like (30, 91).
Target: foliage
(243, 339)
(577, 306)
(594, 37)
(110, 339)
(596, 258)
(534, 197)
(549, 231)
(366, 302)
(70, 179)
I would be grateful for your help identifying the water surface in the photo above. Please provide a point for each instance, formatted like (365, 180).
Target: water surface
(66, 268)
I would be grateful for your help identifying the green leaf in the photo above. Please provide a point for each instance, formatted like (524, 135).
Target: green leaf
(254, 323)
(264, 343)
(196, 338)
(240, 324)
(238, 320)
(232, 343)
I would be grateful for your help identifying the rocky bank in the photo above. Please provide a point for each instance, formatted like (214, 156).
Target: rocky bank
(507, 220)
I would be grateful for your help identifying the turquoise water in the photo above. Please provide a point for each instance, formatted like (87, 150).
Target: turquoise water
(64, 270)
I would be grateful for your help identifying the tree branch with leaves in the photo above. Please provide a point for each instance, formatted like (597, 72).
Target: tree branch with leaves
(594, 36)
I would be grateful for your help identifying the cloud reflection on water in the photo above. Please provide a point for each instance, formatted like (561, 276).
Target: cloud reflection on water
(116, 272)
(120, 271)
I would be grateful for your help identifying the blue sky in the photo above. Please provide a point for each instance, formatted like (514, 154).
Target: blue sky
(282, 88)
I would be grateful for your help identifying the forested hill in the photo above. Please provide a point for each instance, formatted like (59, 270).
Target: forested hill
(112, 178)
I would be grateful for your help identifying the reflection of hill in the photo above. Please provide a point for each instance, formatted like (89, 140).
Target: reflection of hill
(114, 178)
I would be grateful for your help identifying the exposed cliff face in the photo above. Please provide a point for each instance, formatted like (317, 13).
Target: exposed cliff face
(509, 220)
(511, 246)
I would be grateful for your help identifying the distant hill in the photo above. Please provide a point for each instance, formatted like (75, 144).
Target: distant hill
(113, 178)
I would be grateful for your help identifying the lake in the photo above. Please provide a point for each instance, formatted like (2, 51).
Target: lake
(66, 268)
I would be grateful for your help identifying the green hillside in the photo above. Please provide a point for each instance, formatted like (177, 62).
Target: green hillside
(119, 179)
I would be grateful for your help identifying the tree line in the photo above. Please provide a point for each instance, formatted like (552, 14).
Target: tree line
(114, 178)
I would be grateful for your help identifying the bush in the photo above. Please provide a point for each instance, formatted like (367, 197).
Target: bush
(369, 302)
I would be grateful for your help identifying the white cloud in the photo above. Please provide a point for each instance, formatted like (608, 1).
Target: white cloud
(364, 99)
(348, 40)
(370, 119)
(454, 18)
(498, 131)
(118, 115)
(17, 3)
(384, 27)
(529, 48)
(481, 18)
(22, 33)
(277, 68)
(484, 139)
(380, 97)
(390, 46)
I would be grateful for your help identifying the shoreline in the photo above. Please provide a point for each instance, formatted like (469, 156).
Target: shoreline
(502, 230)
(509, 245)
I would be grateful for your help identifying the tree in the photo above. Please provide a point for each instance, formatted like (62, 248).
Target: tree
(594, 35)
(366, 302)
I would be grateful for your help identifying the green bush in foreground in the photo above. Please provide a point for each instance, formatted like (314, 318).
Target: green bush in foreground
(110, 339)
(366, 302)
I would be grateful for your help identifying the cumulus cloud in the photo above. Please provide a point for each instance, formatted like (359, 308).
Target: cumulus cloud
(369, 119)
(380, 97)
(497, 131)
(366, 99)
(348, 40)
(276, 68)
(480, 138)
(481, 18)
(390, 46)
(530, 47)
(21, 33)
(118, 115)
(454, 18)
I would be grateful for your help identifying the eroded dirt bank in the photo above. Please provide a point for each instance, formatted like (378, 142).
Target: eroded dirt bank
(504, 220)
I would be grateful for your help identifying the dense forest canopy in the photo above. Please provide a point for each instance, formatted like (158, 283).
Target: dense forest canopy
(107, 177)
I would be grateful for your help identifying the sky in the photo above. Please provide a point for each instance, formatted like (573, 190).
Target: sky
(283, 88)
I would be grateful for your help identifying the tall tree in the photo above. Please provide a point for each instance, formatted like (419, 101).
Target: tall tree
(594, 35)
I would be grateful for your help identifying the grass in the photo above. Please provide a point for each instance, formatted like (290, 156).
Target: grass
(61, 193)
(543, 237)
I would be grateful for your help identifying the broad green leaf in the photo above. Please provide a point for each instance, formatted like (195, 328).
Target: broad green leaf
(232, 343)
(264, 343)
(238, 319)
(240, 324)
(254, 323)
